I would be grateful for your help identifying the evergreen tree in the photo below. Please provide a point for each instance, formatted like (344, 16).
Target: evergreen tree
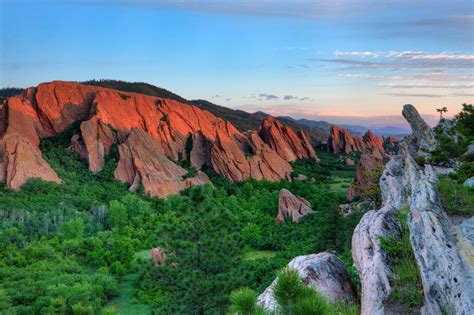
(203, 254)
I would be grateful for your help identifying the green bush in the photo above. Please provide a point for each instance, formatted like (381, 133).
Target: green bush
(406, 280)
(456, 199)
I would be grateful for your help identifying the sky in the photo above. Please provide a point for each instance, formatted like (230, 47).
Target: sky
(344, 61)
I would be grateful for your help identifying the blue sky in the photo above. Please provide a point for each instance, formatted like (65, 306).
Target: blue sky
(345, 61)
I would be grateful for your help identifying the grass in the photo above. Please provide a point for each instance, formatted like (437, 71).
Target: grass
(405, 279)
(456, 199)
(124, 303)
(259, 254)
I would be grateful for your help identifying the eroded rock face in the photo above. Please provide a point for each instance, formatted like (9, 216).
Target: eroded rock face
(368, 172)
(289, 145)
(143, 162)
(447, 276)
(323, 272)
(341, 141)
(108, 117)
(291, 206)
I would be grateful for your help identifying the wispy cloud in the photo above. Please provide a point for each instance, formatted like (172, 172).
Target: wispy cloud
(428, 86)
(268, 97)
(414, 95)
(401, 59)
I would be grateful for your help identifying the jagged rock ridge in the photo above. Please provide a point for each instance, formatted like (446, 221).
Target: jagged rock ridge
(341, 141)
(171, 130)
(447, 276)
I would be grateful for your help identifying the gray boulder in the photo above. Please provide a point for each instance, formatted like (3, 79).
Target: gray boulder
(469, 182)
(323, 272)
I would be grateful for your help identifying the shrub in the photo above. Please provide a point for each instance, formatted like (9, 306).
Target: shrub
(456, 199)
(405, 279)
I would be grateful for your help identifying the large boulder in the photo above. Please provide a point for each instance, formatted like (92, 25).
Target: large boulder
(323, 272)
(291, 206)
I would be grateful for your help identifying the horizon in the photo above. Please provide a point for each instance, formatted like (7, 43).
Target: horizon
(336, 62)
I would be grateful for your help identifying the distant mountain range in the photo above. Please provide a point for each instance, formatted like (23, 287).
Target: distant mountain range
(355, 130)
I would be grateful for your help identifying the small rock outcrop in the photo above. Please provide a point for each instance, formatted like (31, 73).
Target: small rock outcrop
(323, 272)
(423, 139)
(157, 256)
(368, 174)
(291, 206)
(289, 145)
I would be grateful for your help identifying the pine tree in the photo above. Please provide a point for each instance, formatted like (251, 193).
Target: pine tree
(202, 256)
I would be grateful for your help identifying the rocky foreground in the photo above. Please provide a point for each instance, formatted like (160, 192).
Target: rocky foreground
(443, 255)
(153, 136)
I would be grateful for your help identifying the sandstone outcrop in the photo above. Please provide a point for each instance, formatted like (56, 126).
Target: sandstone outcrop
(341, 141)
(289, 145)
(368, 174)
(447, 276)
(291, 206)
(173, 130)
(323, 272)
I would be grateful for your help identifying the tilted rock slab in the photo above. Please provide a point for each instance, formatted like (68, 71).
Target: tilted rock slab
(107, 117)
(291, 206)
(323, 272)
(289, 145)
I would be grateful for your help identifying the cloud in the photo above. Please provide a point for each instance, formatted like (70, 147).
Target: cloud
(428, 86)
(463, 94)
(356, 54)
(401, 59)
(290, 97)
(414, 95)
(359, 75)
(268, 97)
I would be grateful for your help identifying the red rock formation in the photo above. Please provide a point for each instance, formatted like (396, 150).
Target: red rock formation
(341, 141)
(131, 120)
(291, 206)
(289, 145)
(157, 256)
(368, 174)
